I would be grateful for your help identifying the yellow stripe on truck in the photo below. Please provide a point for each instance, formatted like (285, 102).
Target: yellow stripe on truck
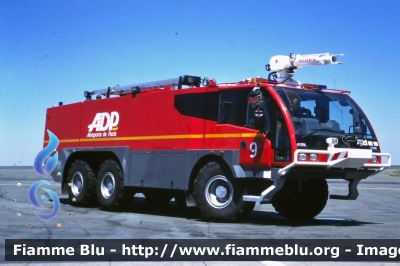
(159, 137)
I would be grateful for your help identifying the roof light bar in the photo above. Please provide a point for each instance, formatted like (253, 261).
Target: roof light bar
(313, 87)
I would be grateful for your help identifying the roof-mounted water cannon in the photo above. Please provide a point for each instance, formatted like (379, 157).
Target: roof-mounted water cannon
(283, 66)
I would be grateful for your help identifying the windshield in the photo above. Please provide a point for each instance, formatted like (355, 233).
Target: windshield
(318, 114)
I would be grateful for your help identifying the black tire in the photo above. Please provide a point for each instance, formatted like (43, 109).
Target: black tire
(158, 197)
(111, 193)
(217, 195)
(301, 199)
(81, 184)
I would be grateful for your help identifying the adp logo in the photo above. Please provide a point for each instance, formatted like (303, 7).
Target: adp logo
(105, 125)
(105, 121)
(44, 164)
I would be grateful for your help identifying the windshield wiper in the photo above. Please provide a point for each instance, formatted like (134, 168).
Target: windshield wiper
(322, 129)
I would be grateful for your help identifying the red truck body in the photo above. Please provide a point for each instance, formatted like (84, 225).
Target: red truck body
(222, 147)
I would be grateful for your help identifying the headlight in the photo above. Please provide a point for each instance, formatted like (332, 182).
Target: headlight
(302, 157)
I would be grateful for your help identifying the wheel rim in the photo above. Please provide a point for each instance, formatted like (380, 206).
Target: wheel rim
(77, 183)
(219, 192)
(107, 185)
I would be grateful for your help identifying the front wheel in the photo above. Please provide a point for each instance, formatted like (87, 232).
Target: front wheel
(301, 199)
(216, 195)
(111, 193)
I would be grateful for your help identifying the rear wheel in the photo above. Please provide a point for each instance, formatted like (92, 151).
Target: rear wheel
(301, 199)
(216, 195)
(81, 184)
(111, 192)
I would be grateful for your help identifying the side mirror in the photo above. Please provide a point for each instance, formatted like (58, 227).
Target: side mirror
(258, 104)
(258, 109)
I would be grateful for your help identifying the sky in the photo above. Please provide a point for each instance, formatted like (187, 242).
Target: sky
(51, 51)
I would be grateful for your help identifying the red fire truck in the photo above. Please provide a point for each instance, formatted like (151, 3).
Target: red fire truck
(219, 146)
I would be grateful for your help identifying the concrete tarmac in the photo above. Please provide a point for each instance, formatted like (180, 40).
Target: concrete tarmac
(374, 215)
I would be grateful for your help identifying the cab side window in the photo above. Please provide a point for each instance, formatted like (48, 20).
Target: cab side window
(232, 107)
(200, 105)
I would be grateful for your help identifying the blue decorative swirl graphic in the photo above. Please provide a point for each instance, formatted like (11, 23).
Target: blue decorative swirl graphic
(45, 163)
(32, 198)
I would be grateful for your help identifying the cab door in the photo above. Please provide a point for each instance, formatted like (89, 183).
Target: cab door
(256, 151)
(239, 126)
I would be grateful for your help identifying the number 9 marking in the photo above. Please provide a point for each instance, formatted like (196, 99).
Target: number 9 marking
(253, 149)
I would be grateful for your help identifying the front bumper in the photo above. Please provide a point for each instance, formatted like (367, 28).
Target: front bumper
(349, 164)
(340, 158)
